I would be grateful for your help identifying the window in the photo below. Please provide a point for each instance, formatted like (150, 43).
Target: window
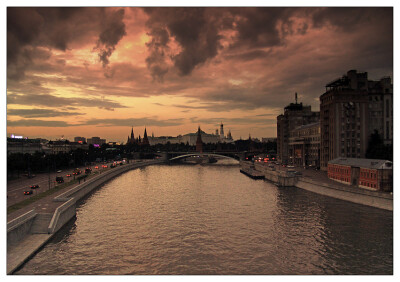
(387, 108)
(387, 130)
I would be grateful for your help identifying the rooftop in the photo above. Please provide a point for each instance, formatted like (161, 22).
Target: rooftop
(364, 163)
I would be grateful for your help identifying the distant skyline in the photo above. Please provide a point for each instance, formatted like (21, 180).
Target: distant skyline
(99, 71)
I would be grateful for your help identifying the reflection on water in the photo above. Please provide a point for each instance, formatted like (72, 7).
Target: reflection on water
(211, 219)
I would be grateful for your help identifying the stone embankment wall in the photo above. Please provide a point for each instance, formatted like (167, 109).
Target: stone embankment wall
(20, 227)
(362, 197)
(279, 178)
(359, 196)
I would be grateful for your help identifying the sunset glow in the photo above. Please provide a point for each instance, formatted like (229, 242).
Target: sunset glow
(100, 71)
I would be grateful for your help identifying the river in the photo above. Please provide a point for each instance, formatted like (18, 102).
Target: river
(211, 219)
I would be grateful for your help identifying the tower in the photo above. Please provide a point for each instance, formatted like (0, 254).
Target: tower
(131, 139)
(145, 140)
(199, 142)
(221, 131)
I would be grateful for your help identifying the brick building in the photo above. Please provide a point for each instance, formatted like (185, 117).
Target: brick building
(364, 173)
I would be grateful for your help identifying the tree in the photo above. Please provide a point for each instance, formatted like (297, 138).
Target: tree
(377, 150)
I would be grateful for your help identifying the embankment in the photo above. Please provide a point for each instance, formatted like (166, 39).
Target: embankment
(29, 232)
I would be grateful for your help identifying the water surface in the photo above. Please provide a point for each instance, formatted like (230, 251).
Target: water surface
(185, 219)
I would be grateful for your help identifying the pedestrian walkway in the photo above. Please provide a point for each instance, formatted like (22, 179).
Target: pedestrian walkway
(318, 176)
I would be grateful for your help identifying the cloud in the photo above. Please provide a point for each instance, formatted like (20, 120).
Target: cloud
(37, 122)
(35, 113)
(135, 122)
(60, 28)
(239, 121)
(192, 28)
(112, 31)
(48, 100)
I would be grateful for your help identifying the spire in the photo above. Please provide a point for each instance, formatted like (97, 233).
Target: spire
(199, 142)
(295, 95)
(145, 139)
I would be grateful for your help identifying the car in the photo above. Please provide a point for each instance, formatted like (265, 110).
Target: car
(88, 170)
(69, 175)
(28, 192)
(58, 171)
(59, 179)
(96, 167)
(35, 186)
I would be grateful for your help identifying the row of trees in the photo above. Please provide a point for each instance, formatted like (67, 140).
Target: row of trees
(19, 163)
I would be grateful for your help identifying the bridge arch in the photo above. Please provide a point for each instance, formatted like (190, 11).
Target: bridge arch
(203, 154)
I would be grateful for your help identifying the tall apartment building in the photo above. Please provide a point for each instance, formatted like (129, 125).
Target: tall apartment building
(351, 108)
(304, 145)
(295, 115)
(380, 105)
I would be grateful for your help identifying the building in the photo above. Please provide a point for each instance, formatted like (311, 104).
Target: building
(295, 115)
(131, 139)
(351, 109)
(23, 146)
(380, 106)
(80, 139)
(145, 140)
(304, 145)
(268, 139)
(221, 131)
(199, 142)
(365, 173)
(191, 138)
(96, 141)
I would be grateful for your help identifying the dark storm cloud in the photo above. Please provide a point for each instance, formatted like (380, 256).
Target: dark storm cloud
(134, 122)
(257, 26)
(48, 100)
(197, 31)
(193, 28)
(35, 113)
(156, 61)
(32, 27)
(112, 31)
(347, 18)
(58, 28)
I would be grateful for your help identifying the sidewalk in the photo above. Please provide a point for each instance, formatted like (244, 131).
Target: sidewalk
(321, 177)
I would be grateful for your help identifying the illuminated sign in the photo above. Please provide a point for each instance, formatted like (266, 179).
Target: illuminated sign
(16, 136)
(96, 145)
(80, 142)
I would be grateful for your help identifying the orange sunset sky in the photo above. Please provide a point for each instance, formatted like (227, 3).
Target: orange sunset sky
(93, 71)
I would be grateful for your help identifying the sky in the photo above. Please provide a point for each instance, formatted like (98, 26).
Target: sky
(99, 71)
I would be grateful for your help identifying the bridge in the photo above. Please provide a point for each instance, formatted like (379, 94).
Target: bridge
(175, 156)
